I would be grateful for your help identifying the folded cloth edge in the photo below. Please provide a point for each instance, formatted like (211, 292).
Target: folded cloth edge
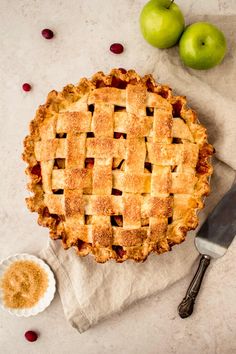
(65, 283)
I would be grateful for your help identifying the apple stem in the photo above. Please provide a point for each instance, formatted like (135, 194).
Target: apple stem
(171, 3)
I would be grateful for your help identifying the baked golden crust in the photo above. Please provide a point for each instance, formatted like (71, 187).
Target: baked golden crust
(118, 166)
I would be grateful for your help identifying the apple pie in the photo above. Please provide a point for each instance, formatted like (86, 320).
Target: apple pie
(118, 166)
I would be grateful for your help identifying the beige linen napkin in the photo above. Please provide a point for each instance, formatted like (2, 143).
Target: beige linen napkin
(91, 292)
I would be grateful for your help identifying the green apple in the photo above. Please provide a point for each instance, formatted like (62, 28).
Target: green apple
(202, 46)
(161, 23)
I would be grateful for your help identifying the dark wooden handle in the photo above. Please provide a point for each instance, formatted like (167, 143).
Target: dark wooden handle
(185, 308)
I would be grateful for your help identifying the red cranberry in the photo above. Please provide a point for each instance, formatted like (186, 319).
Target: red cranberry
(90, 135)
(177, 106)
(47, 33)
(46, 213)
(116, 48)
(148, 166)
(31, 336)
(116, 191)
(89, 162)
(26, 87)
(119, 251)
(123, 71)
(117, 220)
(119, 135)
(36, 170)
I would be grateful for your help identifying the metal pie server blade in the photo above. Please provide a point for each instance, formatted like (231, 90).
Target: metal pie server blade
(212, 241)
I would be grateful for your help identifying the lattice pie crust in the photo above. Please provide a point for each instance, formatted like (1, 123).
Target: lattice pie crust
(118, 166)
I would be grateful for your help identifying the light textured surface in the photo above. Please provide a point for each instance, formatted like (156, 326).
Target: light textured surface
(84, 31)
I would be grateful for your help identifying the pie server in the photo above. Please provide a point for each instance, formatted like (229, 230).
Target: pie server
(212, 241)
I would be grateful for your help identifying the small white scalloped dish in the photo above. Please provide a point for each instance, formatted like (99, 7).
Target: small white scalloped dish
(44, 301)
